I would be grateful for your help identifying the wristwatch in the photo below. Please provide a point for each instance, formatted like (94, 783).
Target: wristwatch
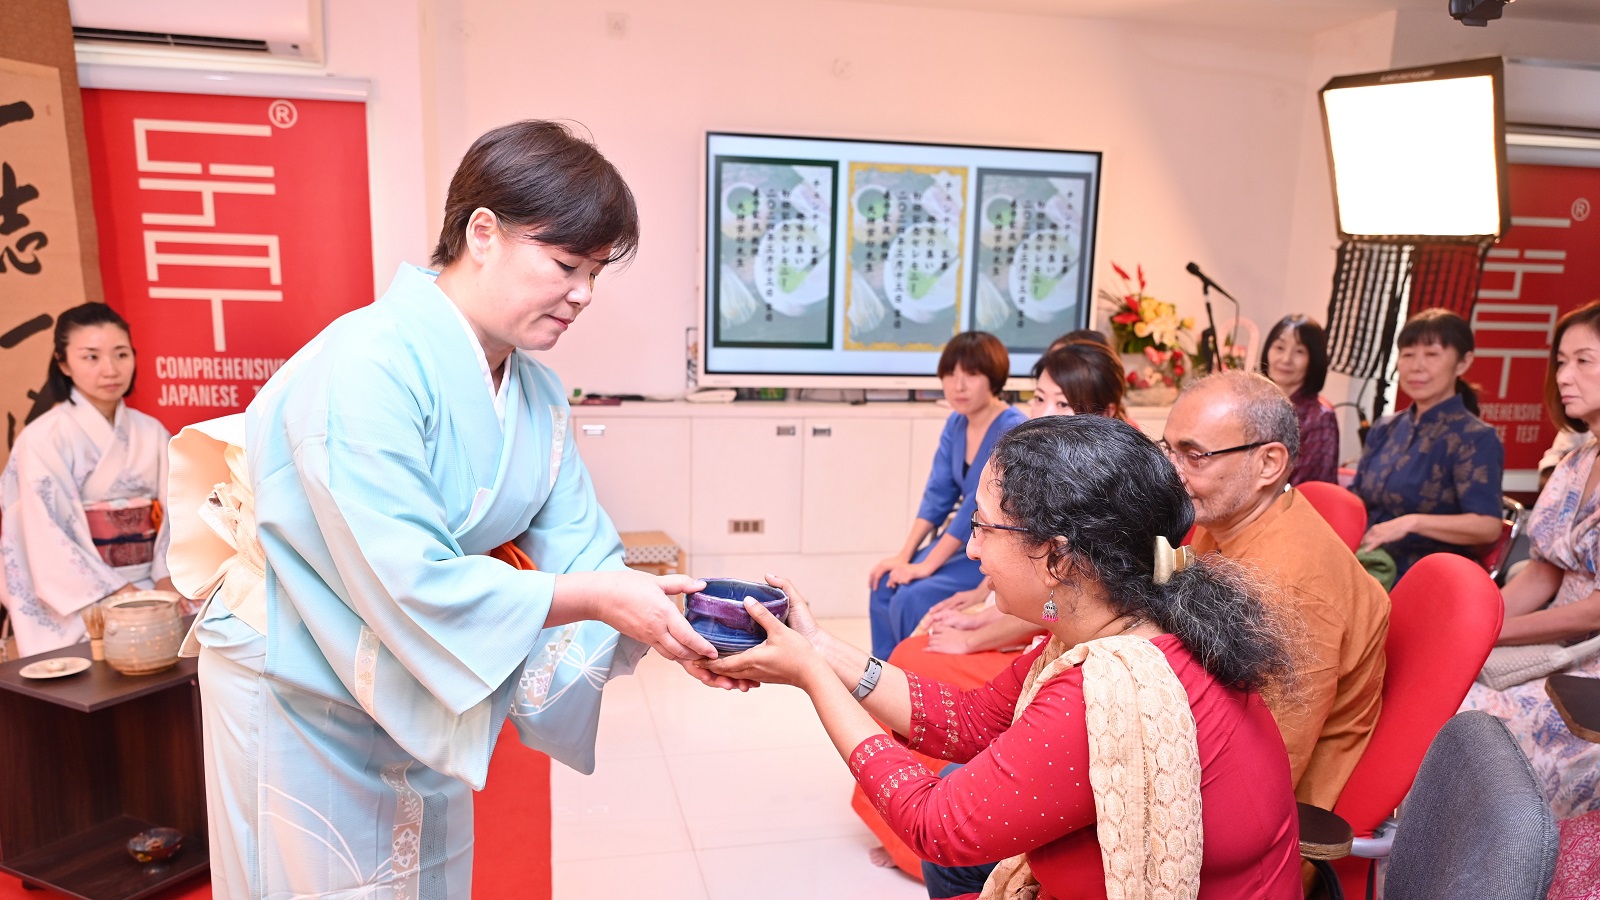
(869, 678)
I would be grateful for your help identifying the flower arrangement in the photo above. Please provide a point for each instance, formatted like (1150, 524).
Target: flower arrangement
(1143, 325)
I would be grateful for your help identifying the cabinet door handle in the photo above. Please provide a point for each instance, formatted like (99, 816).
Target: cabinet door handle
(822, 431)
(594, 431)
(785, 431)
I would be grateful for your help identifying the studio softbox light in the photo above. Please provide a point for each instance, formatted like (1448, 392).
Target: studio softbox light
(1419, 154)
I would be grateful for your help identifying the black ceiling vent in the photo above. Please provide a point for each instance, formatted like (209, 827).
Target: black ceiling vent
(153, 39)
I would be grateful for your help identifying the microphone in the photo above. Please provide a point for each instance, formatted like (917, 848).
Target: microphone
(1210, 345)
(1194, 269)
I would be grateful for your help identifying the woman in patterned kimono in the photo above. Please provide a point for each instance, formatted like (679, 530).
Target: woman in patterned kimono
(1430, 474)
(1129, 756)
(1554, 599)
(81, 495)
(355, 681)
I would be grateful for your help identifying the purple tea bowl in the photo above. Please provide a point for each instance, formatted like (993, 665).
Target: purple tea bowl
(717, 612)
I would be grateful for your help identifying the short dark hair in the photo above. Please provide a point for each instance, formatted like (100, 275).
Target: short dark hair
(1104, 488)
(57, 386)
(539, 175)
(1311, 336)
(1077, 335)
(1445, 328)
(1587, 316)
(980, 353)
(1088, 373)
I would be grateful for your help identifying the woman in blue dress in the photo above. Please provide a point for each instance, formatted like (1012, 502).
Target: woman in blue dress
(972, 371)
(1430, 474)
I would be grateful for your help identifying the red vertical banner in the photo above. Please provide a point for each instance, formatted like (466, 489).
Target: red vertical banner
(1544, 266)
(232, 230)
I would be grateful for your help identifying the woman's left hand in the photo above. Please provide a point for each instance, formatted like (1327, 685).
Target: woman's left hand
(1386, 533)
(784, 658)
(905, 573)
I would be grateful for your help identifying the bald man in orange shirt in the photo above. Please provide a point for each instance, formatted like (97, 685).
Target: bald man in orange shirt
(1234, 439)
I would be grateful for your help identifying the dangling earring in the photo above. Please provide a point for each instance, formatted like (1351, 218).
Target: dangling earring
(1051, 613)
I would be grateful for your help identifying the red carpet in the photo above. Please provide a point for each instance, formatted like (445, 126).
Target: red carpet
(511, 817)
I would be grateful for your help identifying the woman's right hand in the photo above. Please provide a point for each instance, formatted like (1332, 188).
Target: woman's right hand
(640, 606)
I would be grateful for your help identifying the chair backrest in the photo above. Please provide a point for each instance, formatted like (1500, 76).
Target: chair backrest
(1493, 556)
(1475, 824)
(1342, 510)
(1444, 617)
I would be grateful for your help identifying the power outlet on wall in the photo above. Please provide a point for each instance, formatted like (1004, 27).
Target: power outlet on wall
(747, 526)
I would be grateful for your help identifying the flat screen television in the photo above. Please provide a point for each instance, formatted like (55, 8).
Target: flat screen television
(850, 263)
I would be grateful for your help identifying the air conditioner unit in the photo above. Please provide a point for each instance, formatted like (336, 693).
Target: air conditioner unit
(287, 29)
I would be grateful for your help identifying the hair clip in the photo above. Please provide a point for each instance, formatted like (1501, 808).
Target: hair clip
(1170, 559)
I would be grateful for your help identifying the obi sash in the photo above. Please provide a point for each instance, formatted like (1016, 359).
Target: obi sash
(124, 531)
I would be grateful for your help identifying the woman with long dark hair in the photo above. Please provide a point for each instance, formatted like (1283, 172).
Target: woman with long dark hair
(1136, 733)
(83, 489)
(1295, 358)
(1430, 473)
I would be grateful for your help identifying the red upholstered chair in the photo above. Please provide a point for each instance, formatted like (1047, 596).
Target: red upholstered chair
(1493, 556)
(1340, 508)
(1445, 616)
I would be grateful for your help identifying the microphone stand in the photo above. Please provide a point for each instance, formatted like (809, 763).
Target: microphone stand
(1206, 284)
(1213, 350)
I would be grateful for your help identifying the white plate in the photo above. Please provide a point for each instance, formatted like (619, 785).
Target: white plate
(60, 667)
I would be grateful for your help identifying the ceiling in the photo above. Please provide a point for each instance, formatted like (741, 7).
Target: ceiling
(1304, 16)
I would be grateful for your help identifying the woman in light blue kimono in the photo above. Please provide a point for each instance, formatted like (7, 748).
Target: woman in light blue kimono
(359, 658)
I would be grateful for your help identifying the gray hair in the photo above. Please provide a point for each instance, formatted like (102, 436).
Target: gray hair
(1264, 413)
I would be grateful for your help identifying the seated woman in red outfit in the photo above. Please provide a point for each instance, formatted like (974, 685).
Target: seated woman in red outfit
(1129, 754)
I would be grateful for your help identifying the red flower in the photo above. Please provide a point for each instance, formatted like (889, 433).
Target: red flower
(1118, 269)
(1127, 318)
(1141, 277)
(1158, 357)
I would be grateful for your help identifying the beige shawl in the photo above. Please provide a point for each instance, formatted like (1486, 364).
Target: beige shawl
(1144, 768)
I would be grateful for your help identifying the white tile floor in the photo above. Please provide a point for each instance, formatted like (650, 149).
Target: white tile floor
(701, 794)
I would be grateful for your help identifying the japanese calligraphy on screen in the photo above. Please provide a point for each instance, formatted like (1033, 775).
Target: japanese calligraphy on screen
(907, 230)
(1030, 256)
(774, 252)
(851, 263)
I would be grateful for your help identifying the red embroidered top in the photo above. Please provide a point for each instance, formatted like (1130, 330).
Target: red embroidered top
(1025, 786)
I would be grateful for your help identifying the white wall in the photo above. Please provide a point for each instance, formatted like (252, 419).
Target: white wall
(1199, 129)
(1213, 142)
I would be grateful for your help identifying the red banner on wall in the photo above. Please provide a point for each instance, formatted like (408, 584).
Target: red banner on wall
(232, 230)
(1545, 265)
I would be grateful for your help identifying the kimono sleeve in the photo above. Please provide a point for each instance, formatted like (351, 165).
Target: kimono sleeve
(44, 519)
(364, 518)
(556, 706)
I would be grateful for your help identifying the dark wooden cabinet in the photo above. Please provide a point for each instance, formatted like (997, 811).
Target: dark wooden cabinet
(88, 761)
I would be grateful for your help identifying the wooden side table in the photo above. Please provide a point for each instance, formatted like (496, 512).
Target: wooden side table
(88, 761)
(652, 551)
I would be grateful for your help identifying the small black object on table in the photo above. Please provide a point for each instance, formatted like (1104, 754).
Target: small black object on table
(90, 760)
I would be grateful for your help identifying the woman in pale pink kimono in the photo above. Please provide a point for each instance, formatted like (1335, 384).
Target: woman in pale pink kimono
(1553, 599)
(82, 491)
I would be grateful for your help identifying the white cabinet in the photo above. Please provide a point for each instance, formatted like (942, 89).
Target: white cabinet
(855, 477)
(746, 476)
(640, 469)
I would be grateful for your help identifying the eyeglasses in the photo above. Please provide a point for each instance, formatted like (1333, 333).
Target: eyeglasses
(1194, 459)
(977, 524)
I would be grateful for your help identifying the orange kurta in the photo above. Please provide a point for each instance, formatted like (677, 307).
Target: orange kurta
(1346, 620)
